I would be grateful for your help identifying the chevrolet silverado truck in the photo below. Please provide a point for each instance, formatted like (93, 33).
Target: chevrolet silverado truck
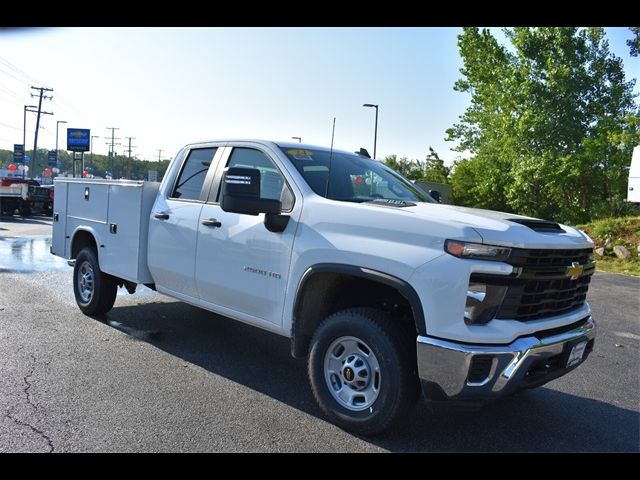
(386, 292)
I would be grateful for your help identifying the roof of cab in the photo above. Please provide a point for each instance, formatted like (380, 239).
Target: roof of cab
(270, 143)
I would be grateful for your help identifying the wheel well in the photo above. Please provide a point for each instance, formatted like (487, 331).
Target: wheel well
(81, 240)
(324, 293)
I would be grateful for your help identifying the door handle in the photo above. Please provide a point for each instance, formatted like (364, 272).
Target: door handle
(212, 222)
(161, 216)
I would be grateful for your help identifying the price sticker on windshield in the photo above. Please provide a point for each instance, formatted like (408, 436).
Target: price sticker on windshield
(299, 154)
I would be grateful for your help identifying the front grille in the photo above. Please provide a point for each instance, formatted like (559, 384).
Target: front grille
(532, 257)
(533, 299)
(540, 286)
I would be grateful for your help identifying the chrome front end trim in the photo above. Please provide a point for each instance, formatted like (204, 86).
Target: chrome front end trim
(447, 364)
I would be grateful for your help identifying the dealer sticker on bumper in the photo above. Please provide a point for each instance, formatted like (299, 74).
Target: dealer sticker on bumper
(576, 354)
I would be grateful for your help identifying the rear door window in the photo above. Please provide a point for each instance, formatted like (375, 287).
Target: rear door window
(194, 171)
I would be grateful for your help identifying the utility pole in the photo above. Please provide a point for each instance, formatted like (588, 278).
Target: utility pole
(111, 145)
(129, 161)
(159, 154)
(34, 157)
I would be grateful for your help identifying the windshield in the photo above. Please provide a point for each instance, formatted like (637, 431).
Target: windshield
(353, 178)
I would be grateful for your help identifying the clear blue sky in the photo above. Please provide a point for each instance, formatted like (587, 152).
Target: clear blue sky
(171, 86)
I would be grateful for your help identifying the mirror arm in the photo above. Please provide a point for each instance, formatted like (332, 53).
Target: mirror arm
(276, 222)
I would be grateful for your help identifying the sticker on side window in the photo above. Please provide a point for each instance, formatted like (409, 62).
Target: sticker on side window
(300, 154)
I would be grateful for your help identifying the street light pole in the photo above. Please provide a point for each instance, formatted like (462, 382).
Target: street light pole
(57, 125)
(297, 138)
(24, 133)
(375, 134)
(91, 142)
(24, 123)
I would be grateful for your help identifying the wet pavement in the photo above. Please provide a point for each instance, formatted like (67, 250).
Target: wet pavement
(29, 255)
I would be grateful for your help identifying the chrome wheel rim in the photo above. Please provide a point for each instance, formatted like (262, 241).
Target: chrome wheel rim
(85, 281)
(352, 373)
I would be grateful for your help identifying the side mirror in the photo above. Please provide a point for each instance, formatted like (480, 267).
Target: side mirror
(241, 193)
(435, 194)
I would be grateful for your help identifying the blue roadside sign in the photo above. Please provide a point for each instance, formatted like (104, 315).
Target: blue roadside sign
(78, 139)
(52, 158)
(18, 153)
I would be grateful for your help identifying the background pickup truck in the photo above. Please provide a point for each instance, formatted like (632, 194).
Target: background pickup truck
(26, 196)
(386, 292)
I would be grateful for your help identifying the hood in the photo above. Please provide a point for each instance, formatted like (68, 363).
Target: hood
(506, 229)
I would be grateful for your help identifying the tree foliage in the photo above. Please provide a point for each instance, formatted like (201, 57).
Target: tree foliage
(551, 125)
(634, 43)
(98, 164)
(432, 168)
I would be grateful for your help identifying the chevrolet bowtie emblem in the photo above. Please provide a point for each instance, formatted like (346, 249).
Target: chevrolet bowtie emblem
(575, 270)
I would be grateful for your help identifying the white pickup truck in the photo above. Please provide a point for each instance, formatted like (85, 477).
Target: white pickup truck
(384, 290)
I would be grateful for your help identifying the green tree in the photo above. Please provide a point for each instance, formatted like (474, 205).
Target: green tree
(403, 166)
(551, 124)
(97, 164)
(432, 168)
(634, 43)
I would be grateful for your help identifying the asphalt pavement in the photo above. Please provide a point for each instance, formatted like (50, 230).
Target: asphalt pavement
(156, 374)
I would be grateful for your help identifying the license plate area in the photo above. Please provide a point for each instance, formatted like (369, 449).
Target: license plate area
(575, 352)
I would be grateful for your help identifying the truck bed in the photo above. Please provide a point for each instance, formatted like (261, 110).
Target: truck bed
(116, 213)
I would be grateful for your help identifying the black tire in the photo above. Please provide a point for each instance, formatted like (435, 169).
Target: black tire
(399, 387)
(25, 209)
(104, 287)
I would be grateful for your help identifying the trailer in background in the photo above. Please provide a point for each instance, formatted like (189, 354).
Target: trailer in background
(633, 194)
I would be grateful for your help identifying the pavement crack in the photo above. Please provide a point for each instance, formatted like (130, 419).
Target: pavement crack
(28, 383)
(33, 429)
(27, 387)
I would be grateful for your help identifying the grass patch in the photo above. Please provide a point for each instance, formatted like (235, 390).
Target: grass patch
(609, 232)
(618, 265)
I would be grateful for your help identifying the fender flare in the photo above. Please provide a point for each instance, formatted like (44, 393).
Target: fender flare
(403, 287)
(90, 231)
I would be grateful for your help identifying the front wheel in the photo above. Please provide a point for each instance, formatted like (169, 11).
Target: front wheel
(95, 291)
(362, 370)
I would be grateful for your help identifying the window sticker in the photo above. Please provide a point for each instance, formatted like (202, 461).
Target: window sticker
(300, 154)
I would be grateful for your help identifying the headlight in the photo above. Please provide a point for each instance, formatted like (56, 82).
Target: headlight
(476, 250)
(483, 302)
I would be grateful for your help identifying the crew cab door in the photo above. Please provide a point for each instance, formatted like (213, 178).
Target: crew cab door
(173, 226)
(242, 268)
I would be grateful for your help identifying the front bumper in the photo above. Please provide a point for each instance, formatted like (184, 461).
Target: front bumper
(480, 373)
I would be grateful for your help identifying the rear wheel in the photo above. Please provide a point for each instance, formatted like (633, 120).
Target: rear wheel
(95, 291)
(362, 371)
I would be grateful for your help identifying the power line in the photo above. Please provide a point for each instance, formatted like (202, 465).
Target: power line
(14, 77)
(8, 99)
(31, 79)
(10, 126)
(16, 95)
(19, 71)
